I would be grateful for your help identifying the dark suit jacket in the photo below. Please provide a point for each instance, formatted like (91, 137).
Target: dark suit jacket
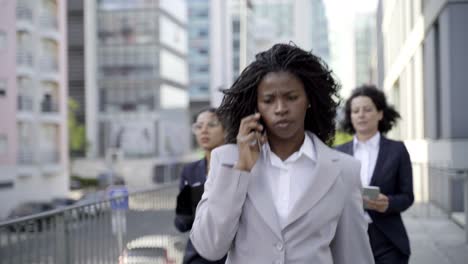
(393, 174)
(191, 185)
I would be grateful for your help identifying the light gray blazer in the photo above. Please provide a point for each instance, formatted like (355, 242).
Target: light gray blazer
(236, 214)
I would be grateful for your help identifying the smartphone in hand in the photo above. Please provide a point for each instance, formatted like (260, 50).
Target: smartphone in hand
(260, 121)
(371, 192)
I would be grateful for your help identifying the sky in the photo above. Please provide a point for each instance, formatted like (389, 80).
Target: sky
(340, 14)
(340, 8)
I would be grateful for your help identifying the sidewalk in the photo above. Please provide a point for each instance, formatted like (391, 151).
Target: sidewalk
(434, 237)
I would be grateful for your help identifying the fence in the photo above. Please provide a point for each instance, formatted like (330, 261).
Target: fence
(91, 232)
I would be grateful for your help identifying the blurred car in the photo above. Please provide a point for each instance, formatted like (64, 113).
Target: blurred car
(60, 202)
(159, 249)
(75, 184)
(29, 209)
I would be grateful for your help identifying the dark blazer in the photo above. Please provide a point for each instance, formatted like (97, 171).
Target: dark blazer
(191, 185)
(393, 174)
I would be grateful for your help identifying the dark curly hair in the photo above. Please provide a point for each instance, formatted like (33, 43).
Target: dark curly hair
(390, 115)
(320, 87)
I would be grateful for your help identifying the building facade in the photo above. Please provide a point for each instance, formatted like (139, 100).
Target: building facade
(365, 48)
(423, 44)
(199, 36)
(137, 78)
(303, 22)
(243, 40)
(33, 102)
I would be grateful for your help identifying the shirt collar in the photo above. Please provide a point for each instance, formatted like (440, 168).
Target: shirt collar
(372, 142)
(307, 149)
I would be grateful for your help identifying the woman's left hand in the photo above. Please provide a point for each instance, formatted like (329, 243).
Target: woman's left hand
(380, 205)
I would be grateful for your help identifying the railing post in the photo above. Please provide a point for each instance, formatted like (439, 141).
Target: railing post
(62, 248)
(466, 204)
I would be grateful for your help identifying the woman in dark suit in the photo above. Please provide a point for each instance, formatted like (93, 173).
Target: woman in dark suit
(209, 134)
(384, 163)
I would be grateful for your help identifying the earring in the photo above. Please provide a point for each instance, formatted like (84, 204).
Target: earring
(309, 106)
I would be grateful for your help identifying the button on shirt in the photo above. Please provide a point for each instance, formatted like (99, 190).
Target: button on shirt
(288, 179)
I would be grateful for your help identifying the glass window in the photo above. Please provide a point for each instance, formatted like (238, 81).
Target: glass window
(203, 68)
(203, 32)
(3, 144)
(236, 26)
(3, 87)
(137, 27)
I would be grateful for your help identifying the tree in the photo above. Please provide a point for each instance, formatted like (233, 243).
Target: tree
(77, 136)
(341, 138)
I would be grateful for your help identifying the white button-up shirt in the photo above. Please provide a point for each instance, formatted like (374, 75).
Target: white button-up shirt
(288, 179)
(367, 153)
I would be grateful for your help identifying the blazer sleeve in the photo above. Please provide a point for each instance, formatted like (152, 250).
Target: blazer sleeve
(351, 241)
(404, 197)
(184, 216)
(217, 218)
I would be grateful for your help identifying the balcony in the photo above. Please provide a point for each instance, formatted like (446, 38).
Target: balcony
(25, 157)
(49, 65)
(49, 106)
(25, 103)
(24, 13)
(24, 58)
(49, 157)
(48, 21)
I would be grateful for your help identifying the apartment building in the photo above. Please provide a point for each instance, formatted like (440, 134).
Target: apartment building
(33, 102)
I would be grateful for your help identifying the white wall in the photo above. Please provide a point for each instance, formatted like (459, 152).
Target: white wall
(220, 49)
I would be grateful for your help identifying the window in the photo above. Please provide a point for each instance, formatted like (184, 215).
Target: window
(203, 88)
(235, 26)
(203, 68)
(3, 144)
(3, 40)
(203, 32)
(3, 87)
(203, 51)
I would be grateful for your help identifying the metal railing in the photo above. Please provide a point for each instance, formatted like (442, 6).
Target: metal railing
(89, 232)
(50, 106)
(448, 189)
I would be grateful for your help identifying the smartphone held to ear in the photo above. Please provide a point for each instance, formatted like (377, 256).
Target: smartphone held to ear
(260, 121)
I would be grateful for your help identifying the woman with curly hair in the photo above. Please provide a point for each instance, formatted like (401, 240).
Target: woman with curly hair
(386, 164)
(276, 193)
(209, 133)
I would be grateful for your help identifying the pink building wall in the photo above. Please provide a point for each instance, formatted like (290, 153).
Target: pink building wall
(8, 103)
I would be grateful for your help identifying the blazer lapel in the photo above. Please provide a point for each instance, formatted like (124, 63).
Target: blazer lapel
(349, 148)
(202, 171)
(381, 157)
(258, 192)
(324, 175)
(261, 197)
